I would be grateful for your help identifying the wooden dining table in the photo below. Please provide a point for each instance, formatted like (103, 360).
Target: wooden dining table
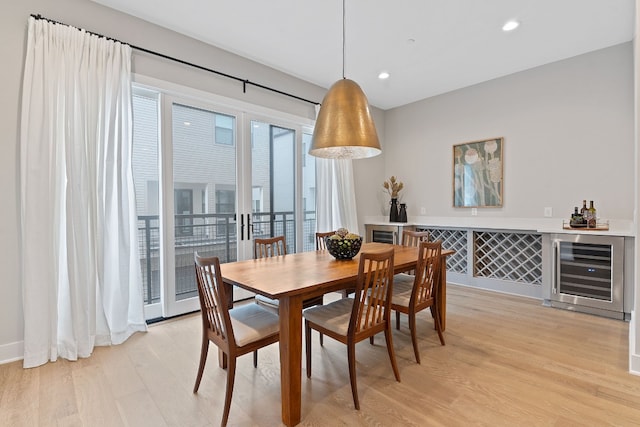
(296, 277)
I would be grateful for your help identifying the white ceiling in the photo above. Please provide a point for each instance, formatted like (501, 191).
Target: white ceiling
(428, 46)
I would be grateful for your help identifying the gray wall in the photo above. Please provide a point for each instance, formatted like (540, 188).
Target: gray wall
(569, 136)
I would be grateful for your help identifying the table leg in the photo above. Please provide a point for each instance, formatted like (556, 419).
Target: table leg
(442, 293)
(290, 313)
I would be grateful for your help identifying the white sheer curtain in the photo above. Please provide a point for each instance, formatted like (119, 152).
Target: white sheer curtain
(336, 196)
(81, 276)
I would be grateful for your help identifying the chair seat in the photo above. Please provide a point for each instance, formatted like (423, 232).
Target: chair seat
(334, 316)
(402, 288)
(251, 323)
(270, 304)
(273, 304)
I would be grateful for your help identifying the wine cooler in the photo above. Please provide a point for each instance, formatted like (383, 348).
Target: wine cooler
(587, 274)
(386, 233)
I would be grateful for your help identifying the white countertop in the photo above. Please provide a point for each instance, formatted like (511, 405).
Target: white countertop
(538, 225)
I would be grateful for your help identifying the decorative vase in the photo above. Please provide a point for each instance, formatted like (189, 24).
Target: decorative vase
(402, 215)
(393, 211)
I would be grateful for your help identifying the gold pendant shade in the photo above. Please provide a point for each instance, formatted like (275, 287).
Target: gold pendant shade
(344, 128)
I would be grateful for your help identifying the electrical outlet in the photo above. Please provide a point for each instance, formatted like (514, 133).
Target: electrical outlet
(423, 210)
(548, 212)
(474, 212)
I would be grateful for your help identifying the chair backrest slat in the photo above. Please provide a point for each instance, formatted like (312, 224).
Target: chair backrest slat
(265, 248)
(427, 272)
(373, 290)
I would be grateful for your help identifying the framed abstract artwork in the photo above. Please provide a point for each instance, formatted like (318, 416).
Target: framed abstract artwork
(477, 174)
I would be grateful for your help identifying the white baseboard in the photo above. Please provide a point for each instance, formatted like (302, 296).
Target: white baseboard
(634, 364)
(11, 352)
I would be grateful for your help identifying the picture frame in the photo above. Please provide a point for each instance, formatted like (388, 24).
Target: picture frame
(478, 173)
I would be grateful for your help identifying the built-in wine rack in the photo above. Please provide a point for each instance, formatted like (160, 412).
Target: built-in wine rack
(451, 239)
(516, 257)
(508, 256)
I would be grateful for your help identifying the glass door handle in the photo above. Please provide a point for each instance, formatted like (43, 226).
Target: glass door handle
(241, 227)
(249, 226)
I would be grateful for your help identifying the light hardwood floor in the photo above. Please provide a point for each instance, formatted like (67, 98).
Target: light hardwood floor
(508, 362)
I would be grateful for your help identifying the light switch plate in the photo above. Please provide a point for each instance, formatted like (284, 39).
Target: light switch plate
(548, 212)
(474, 212)
(423, 210)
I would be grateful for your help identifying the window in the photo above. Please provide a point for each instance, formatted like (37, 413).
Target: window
(225, 201)
(183, 199)
(224, 129)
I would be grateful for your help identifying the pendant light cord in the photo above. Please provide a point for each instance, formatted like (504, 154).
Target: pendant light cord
(343, 36)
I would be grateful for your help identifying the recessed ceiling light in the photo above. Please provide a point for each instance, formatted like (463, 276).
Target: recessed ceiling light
(187, 123)
(383, 75)
(510, 26)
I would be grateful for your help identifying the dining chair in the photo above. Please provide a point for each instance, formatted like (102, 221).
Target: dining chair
(413, 238)
(320, 243)
(275, 246)
(351, 320)
(268, 247)
(235, 331)
(412, 294)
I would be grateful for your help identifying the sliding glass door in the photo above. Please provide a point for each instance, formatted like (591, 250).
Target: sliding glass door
(220, 179)
(273, 182)
(203, 185)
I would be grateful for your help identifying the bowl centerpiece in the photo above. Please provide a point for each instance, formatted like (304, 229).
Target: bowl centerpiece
(343, 245)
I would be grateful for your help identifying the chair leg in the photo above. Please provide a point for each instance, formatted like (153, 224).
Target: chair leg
(307, 342)
(392, 354)
(231, 375)
(204, 350)
(371, 339)
(438, 325)
(255, 358)
(321, 335)
(351, 356)
(397, 320)
(414, 336)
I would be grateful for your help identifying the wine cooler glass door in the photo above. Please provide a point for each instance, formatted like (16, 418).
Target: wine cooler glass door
(589, 272)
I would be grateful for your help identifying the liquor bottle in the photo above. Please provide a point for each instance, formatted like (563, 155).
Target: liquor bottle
(584, 209)
(591, 216)
(577, 220)
(574, 216)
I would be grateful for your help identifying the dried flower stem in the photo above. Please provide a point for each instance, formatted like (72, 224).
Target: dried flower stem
(393, 187)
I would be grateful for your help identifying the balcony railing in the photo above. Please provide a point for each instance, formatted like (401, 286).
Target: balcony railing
(209, 235)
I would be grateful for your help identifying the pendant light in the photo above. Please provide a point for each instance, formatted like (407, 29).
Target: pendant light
(344, 128)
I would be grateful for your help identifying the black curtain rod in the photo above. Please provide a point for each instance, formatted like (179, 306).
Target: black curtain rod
(245, 82)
